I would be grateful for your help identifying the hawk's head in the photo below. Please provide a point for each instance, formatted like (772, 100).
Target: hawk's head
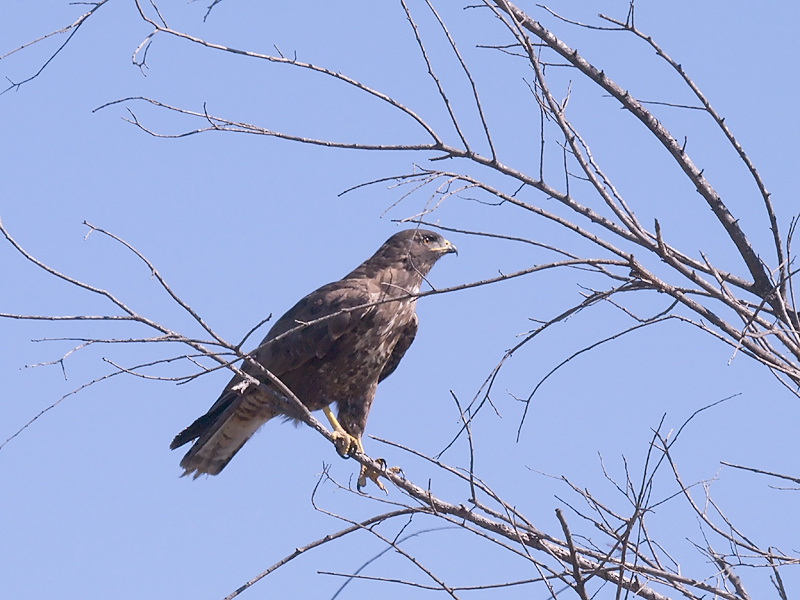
(416, 249)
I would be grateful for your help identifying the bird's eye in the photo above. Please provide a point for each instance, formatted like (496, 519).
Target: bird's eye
(428, 239)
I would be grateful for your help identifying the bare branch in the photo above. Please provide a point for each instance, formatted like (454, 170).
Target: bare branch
(162, 28)
(720, 121)
(70, 29)
(754, 264)
(753, 470)
(324, 540)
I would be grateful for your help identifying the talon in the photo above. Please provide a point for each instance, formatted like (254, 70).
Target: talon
(397, 471)
(372, 475)
(344, 442)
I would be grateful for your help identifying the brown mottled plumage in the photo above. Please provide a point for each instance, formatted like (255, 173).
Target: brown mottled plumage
(340, 359)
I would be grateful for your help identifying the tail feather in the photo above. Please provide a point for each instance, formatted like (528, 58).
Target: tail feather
(221, 433)
(196, 429)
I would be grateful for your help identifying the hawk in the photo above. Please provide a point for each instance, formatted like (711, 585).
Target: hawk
(334, 345)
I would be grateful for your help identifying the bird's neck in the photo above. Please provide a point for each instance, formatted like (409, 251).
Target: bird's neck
(398, 279)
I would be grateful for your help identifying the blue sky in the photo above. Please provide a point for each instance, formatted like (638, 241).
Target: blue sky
(242, 226)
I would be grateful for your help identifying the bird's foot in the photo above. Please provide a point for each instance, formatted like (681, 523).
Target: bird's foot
(373, 474)
(345, 443)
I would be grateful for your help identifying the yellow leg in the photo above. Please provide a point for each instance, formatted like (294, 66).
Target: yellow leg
(345, 444)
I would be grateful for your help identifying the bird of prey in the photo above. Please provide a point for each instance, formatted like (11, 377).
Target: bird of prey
(334, 345)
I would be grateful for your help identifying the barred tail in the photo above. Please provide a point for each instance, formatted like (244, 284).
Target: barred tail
(221, 432)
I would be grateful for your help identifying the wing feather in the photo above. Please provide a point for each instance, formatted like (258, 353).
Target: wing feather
(403, 344)
(300, 342)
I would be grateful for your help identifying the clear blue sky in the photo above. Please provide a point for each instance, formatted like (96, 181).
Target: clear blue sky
(242, 226)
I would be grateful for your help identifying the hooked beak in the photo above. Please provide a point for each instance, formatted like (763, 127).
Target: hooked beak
(446, 248)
